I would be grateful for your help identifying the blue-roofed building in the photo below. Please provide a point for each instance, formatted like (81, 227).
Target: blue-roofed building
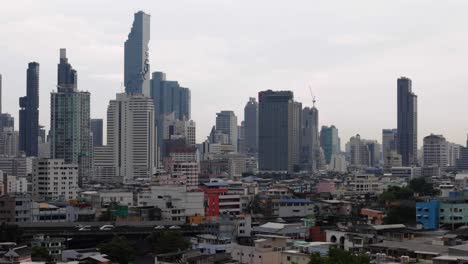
(293, 207)
(427, 214)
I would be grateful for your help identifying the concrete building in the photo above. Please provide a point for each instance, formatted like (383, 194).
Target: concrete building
(251, 125)
(176, 202)
(70, 133)
(17, 166)
(175, 128)
(359, 153)
(97, 131)
(330, 142)
(453, 154)
(9, 142)
(289, 207)
(53, 179)
(266, 249)
(226, 122)
(407, 140)
(131, 134)
(389, 146)
(136, 59)
(184, 163)
(435, 151)
(104, 169)
(338, 163)
(29, 113)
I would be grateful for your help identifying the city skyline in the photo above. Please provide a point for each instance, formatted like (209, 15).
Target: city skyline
(99, 60)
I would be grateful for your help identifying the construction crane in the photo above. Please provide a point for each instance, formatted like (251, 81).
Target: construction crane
(312, 95)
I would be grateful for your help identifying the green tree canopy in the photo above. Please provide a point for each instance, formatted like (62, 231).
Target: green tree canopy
(118, 250)
(395, 193)
(168, 241)
(40, 254)
(423, 187)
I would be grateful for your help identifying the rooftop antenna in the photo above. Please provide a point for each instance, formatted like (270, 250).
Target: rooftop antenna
(313, 97)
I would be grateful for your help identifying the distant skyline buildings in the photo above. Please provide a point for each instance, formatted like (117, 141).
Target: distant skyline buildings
(407, 122)
(97, 131)
(251, 125)
(330, 142)
(29, 112)
(70, 132)
(275, 130)
(226, 122)
(136, 58)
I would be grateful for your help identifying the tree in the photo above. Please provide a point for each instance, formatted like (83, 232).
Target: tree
(167, 242)
(118, 249)
(400, 214)
(423, 187)
(339, 256)
(395, 193)
(40, 254)
(11, 233)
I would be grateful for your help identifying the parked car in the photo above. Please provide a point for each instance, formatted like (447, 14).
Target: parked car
(85, 228)
(174, 227)
(159, 227)
(106, 227)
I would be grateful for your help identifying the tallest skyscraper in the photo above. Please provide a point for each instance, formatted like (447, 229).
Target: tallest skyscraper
(407, 134)
(136, 60)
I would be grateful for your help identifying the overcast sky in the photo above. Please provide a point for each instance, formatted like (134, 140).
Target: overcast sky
(225, 51)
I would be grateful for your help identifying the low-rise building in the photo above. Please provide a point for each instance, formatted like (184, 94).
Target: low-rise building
(53, 179)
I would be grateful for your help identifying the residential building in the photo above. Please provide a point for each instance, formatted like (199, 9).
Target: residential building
(453, 154)
(9, 142)
(435, 151)
(131, 134)
(289, 207)
(251, 125)
(136, 59)
(53, 179)
(338, 163)
(29, 113)
(266, 249)
(407, 134)
(70, 133)
(175, 201)
(389, 146)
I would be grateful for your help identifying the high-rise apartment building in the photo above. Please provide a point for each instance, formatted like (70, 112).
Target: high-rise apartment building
(363, 153)
(453, 154)
(136, 59)
(310, 149)
(29, 112)
(275, 130)
(330, 142)
(226, 122)
(389, 145)
(251, 125)
(131, 135)
(435, 151)
(54, 179)
(96, 130)
(407, 134)
(70, 133)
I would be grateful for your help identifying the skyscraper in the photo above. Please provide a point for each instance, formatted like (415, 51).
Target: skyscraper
(389, 145)
(29, 113)
(131, 136)
(275, 130)
(136, 60)
(168, 97)
(96, 129)
(310, 138)
(70, 133)
(330, 142)
(251, 125)
(226, 122)
(407, 143)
